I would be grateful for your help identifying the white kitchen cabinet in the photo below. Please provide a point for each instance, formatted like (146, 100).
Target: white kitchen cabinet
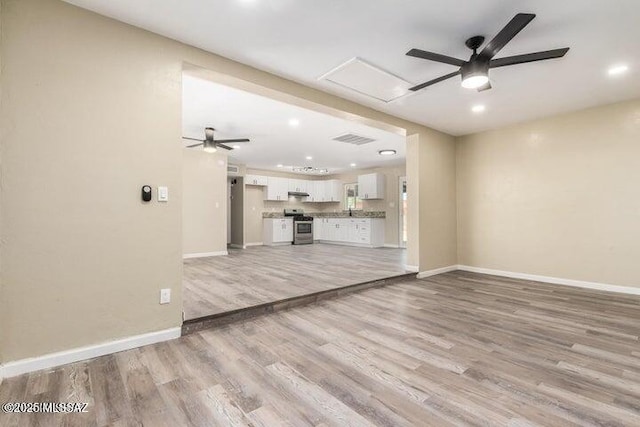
(256, 180)
(277, 231)
(319, 191)
(371, 186)
(316, 190)
(332, 191)
(337, 230)
(319, 228)
(298, 185)
(352, 231)
(277, 189)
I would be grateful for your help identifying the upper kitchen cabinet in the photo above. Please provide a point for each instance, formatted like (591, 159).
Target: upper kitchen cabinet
(371, 186)
(324, 191)
(256, 180)
(332, 190)
(277, 189)
(299, 185)
(315, 190)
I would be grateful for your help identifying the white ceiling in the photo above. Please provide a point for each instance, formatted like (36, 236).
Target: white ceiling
(238, 114)
(302, 40)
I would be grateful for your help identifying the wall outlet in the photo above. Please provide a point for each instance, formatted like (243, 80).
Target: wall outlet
(165, 296)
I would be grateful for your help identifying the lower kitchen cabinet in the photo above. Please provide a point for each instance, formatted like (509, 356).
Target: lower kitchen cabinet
(350, 231)
(277, 231)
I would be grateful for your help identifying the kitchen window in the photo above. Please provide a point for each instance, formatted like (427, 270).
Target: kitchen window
(351, 199)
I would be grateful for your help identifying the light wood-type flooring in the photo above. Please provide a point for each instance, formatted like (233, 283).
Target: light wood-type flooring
(264, 274)
(454, 349)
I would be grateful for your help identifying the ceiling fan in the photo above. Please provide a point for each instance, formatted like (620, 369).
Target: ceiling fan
(210, 145)
(475, 71)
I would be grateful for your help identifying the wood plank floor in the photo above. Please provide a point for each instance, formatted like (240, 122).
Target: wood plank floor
(264, 274)
(454, 349)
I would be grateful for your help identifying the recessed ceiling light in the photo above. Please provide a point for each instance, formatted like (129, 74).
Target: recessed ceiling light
(279, 165)
(294, 123)
(478, 108)
(616, 70)
(353, 165)
(236, 147)
(387, 152)
(309, 158)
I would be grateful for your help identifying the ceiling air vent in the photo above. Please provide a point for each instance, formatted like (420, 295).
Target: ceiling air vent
(233, 170)
(352, 138)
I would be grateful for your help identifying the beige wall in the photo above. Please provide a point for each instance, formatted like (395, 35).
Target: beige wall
(556, 197)
(90, 111)
(204, 202)
(86, 118)
(413, 203)
(437, 188)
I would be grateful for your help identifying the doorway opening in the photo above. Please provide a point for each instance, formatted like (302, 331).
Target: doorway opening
(299, 168)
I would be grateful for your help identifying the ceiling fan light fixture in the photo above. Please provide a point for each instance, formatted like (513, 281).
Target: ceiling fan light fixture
(209, 146)
(474, 82)
(475, 74)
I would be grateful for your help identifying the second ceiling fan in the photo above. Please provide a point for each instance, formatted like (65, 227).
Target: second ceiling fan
(475, 71)
(210, 145)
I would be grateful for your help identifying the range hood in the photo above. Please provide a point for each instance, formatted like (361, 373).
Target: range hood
(298, 193)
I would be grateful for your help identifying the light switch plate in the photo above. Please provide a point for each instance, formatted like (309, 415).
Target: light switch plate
(163, 194)
(165, 296)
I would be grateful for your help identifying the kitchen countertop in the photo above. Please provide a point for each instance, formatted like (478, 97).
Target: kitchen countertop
(343, 214)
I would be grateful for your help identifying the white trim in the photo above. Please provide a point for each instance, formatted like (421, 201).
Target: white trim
(412, 268)
(204, 254)
(236, 246)
(435, 271)
(390, 245)
(51, 360)
(554, 280)
(254, 244)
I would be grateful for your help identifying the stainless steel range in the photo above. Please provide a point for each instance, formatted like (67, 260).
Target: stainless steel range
(302, 226)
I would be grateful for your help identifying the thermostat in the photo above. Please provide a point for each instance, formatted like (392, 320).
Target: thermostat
(146, 193)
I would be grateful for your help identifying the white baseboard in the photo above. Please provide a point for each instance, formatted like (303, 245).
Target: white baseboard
(236, 246)
(435, 271)
(412, 268)
(554, 280)
(254, 244)
(23, 366)
(390, 245)
(204, 254)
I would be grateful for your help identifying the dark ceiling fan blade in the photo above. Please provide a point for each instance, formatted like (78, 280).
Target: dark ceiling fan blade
(226, 147)
(195, 145)
(417, 53)
(528, 57)
(434, 81)
(505, 35)
(192, 139)
(484, 87)
(231, 140)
